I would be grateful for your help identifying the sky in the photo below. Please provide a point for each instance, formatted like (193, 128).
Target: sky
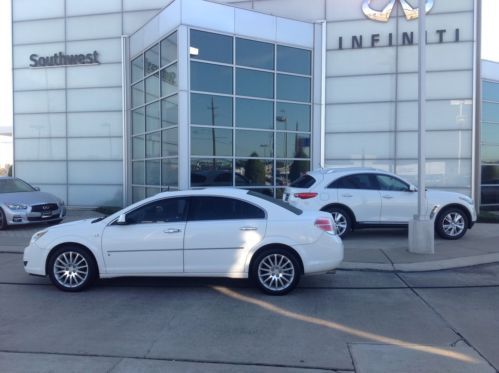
(490, 51)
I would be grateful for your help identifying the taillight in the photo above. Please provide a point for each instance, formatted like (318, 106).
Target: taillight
(305, 195)
(325, 224)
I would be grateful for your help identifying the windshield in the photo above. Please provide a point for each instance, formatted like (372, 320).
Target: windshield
(14, 186)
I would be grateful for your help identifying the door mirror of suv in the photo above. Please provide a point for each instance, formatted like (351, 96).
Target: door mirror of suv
(412, 188)
(121, 220)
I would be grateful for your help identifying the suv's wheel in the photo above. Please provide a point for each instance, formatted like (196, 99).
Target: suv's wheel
(342, 220)
(451, 223)
(3, 220)
(71, 268)
(276, 271)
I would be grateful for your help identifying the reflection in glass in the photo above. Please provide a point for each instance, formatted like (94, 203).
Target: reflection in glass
(490, 91)
(254, 172)
(490, 112)
(490, 133)
(169, 83)
(490, 174)
(138, 194)
(254, 54)
(150, 192)
(169, 111)
(211, 172)
(254, 143)
(211, 78)
(211, 141)
(152, 117)
(169, 172)
(292, 145)
(294, 60)
(138, 147)
(153, 144)
(138, 94)
(211, 47)
(292, 117)
(254, 113)
(293, 88)
(169, 49)
(211, 110)
(490, 153)
(151, 60)
(254, 83)
(288, 171)
(170, 142)
(138, 121)
(138, 173)
(152, 87)
(490, 196)
(152, 172)
(137, 68)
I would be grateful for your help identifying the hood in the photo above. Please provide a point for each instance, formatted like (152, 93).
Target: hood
(445, 196)
(28, 198)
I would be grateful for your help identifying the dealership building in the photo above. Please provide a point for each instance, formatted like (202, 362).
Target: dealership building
(118, 100)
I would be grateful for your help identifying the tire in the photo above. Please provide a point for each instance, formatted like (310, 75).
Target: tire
(3, 220)
(452, 223)
(276, 271)
(342, 220)
(71, 268)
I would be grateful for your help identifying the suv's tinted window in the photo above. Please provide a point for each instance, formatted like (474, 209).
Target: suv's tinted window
(386, 182)
(222, 208)
(357, 181)
(165, 210)
(304, 181)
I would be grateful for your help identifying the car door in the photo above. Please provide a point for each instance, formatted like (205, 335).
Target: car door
(219, 234)
(151, 241)
(359, 193)
(398, 202)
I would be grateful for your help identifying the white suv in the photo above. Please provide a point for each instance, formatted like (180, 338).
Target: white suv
(366, 197)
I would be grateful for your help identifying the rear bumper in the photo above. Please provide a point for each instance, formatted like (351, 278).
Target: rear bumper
(323, 255)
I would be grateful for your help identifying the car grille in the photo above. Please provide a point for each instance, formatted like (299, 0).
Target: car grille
(44, 208)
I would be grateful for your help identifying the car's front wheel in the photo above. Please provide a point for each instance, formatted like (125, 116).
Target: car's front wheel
(451, 223)
(71, 268)
(276, 271)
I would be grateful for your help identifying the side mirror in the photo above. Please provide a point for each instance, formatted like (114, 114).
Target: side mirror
(121, 220)
(412, 188)
(36, 188)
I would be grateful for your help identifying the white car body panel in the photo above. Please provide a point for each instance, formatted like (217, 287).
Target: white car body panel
(366, 204)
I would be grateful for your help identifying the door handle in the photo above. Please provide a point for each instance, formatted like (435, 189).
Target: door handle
(172, 230)
(346, 195)
(248, 228)
(387, 197)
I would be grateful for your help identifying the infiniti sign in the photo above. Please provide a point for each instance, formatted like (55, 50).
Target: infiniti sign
(383, 15)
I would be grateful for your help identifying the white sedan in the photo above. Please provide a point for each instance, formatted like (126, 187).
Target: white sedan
(218, 232)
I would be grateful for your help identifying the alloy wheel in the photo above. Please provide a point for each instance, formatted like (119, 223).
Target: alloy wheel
(276, 272)
(340, 221)
(453, 224)
(71, 269)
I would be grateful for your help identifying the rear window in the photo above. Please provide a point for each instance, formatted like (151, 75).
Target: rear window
(304, 182)
(277, 202)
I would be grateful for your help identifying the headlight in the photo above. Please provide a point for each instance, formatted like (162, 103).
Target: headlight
(37, 236)
(17, 206)
(466, 199)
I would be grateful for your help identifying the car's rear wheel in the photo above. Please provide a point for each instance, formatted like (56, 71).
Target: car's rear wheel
(342, 220)
(276, 271)
(451, 223)
(72, 268)
(3, 220)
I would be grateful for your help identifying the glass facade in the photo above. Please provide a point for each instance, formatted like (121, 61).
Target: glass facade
(154, 119)
(250, 112)
(490, 145)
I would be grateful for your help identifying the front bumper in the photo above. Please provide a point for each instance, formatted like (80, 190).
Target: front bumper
(20, 217)
(34, 260)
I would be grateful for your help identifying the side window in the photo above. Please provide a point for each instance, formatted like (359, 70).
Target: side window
(391, 183)
(167, 210)
(358, 181)
(221, 208)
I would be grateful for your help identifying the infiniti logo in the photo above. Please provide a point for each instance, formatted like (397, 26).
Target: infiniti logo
(46, 207)
(383, 15)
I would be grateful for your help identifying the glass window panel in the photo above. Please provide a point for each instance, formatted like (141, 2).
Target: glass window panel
(169, 111)
(490, 91)
(169, 80)
(221, 208)
(150, 192)
(42, 172)
(254, 172)
(102, 75)
(100, 124)
(95, 195)
(138, 194)
(289, 171)
(78, 7)
(254, 54)
(211, 110)
(152, 87)
(105, 172)
(170, 142)
(293, 88)
(40, 101)
(211, 141)
(169, 172)
(40, 125)
(153, 145)
(152, 117)
(292, 145)
(440, 173)
(490, 195)
(93, 27)
(32, 79)
(38, 31)
(40, 149)
(151, 62)
(490, 153)
(138, 121)
(31, 9)
(490, 174)
(169, 49)
(211, 78)
(254, 143)
(138, 173)
(94, 99)
(294, 60)
(153, 172)
(138, 147)
(138, 94)
(205, 170)
(103, 148)
(254, 83)
(490, 112)
(490, 133)
(211, 47)
(292, 117)
(254, 113)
